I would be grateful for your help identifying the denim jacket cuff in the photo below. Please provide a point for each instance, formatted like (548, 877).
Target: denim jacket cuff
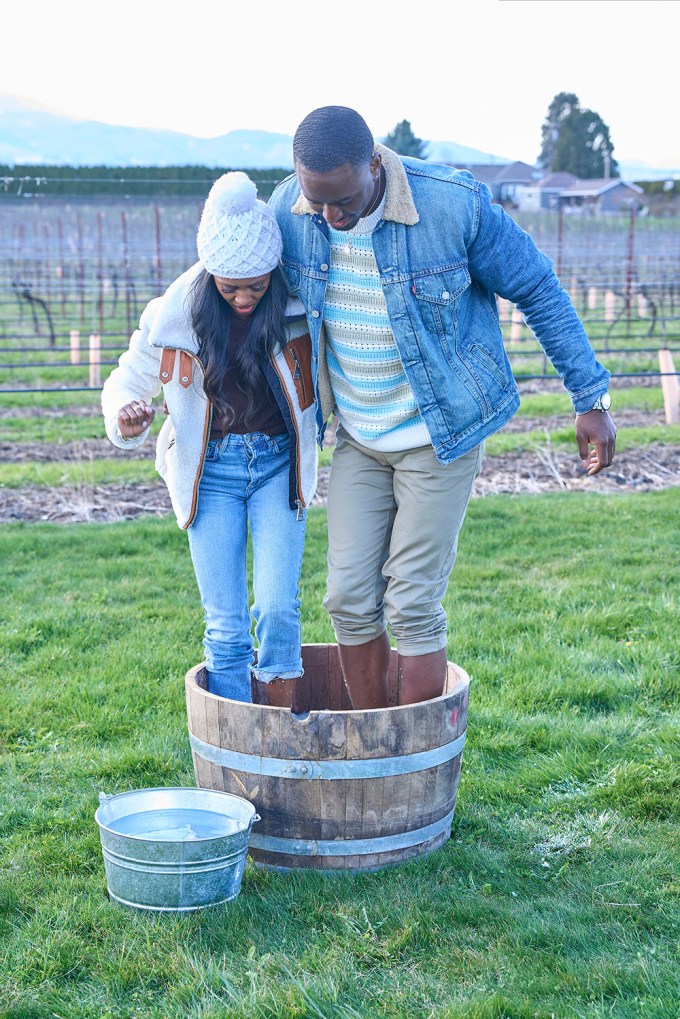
(583, 402)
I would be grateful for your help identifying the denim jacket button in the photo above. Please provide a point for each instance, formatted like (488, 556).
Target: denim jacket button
(324, 267)
(445, 295)
(315, 314)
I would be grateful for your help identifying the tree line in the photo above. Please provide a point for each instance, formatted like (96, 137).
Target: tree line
(123, 181)
(573, 139)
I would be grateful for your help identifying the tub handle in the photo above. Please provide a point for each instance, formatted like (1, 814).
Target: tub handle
(103, 798)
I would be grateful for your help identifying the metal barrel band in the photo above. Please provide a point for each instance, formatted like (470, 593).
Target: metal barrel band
(373, 767)
(351, 847)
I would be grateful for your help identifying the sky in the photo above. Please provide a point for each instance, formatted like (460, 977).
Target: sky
(481, 73)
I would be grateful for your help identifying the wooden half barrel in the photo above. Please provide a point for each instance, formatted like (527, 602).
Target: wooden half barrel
(336, 789)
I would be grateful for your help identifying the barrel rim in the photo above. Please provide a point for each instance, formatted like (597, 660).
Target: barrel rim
(462, 676)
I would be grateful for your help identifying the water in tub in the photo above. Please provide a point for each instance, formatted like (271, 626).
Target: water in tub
(176, 825)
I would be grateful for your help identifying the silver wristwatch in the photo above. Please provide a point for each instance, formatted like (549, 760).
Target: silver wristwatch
(602, 403)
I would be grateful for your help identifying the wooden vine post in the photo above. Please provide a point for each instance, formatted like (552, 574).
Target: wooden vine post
(95, 361)
(670, 386)
(75, 346)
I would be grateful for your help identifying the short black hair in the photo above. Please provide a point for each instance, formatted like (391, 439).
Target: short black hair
(331, 136)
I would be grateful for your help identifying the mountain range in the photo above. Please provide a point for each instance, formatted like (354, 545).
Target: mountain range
(34, 134)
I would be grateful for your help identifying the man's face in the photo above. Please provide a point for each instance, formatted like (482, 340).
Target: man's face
(342, 195)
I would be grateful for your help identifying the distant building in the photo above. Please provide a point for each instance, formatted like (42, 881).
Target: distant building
(527, 189)
(546, 193)
(503, 179)
(605, 195)
(564, 190)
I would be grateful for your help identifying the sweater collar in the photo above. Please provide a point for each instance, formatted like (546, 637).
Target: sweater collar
(399, 204)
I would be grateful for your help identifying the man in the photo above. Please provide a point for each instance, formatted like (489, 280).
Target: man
(400, 260)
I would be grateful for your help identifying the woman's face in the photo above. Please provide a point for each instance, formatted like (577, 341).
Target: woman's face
(243, 296)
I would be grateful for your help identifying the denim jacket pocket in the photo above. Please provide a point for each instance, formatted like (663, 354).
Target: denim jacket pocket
(487, 363)
(293, 276)
(437, 297)
(441, 288)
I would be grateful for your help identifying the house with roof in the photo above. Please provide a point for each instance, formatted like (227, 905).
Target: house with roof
(604, 195)
(566, 191)
(503, 179)
(544, 194)
(528, 189)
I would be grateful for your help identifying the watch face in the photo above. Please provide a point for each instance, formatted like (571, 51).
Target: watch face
(605, 401)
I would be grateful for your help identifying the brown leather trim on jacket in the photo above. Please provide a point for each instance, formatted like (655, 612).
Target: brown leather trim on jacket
(298, 478)
(199, 472)
(167, 369)
(298, 355)
(186, 369)
(167, 365)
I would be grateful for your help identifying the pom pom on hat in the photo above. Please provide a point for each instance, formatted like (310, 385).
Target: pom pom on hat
(238, 236)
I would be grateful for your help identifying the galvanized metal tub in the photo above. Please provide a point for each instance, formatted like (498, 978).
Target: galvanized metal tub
(175, 849)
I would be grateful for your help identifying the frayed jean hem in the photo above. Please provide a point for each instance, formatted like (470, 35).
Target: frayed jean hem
(267, 677)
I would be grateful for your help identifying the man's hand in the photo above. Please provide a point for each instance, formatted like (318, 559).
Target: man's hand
(596, 438)
(134, 418)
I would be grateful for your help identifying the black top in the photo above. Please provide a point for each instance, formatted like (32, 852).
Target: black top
(265, 416)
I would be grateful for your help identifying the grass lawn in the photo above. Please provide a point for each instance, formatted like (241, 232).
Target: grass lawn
(557, 895)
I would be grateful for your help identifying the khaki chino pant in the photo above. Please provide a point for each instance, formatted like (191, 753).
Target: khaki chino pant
(393, 526)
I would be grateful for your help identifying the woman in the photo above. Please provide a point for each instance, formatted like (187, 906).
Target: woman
(232, 354)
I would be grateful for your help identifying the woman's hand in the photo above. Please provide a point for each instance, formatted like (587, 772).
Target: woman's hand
(134, 418)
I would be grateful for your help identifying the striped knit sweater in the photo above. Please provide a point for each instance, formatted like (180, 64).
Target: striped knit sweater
(374, 400)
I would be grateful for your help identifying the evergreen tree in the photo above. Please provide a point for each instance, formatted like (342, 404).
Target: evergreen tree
(560, 107)
(576, 140)
(403, 141)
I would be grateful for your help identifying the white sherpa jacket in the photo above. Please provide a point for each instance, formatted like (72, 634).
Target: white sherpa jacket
(163, 355)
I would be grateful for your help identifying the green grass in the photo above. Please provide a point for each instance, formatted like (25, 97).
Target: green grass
(81, 473)
(62, 427)
(46, 401)
(94, 471)
(71, 427)
(558, 892)
(63, 424)
(563, 438)
(40, 428)
(645, 398)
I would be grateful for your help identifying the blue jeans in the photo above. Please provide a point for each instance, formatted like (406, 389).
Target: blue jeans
(245, 483)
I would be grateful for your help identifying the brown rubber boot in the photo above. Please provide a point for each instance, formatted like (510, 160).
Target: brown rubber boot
(421, 677)
(365, 668)
(278, 693)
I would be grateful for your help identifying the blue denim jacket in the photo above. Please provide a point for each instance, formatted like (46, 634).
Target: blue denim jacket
(444, 251)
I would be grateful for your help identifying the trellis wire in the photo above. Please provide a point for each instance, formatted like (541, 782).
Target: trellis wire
(83, 262)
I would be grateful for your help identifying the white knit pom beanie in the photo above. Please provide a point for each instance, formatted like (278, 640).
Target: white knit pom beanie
(238, 237)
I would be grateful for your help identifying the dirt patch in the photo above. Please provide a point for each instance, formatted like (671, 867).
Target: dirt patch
(544, 469)
(535, 471)
(102, 449)
(71, 452)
